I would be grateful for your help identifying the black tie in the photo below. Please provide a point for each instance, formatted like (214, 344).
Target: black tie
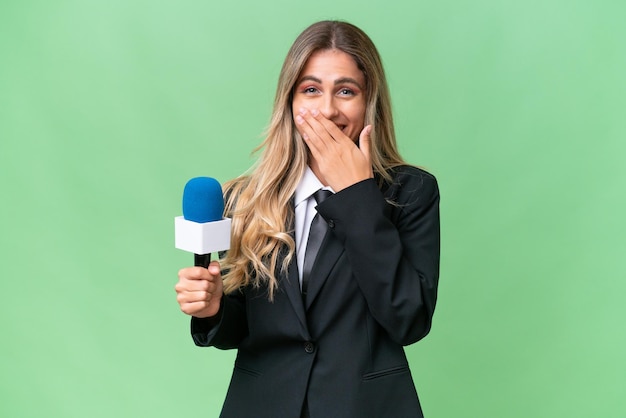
(316, 236)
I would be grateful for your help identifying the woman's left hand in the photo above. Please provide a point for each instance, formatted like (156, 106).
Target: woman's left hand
(335, 156)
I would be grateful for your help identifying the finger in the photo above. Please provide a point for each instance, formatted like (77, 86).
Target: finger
(303, 125)
(321, 123)
(185, 285)
(200, 273)
(317, 122)
(365, 143)
(191, 297)
(315, 145)
(194, 273)
(315, 130)
(192, 308)
(215, 269)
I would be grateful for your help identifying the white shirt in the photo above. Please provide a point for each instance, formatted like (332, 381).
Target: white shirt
(305, 212)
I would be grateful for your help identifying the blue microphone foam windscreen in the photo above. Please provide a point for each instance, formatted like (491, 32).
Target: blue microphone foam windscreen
(203, 200)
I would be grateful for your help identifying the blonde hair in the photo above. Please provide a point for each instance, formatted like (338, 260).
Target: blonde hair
(259, 202)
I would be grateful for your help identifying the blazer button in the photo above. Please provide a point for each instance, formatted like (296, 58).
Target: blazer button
(309, 347)
(331, 223)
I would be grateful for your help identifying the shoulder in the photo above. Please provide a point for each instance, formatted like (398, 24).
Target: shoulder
(410, 183)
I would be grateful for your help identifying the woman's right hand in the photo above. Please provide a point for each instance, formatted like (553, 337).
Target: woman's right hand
(199, 290)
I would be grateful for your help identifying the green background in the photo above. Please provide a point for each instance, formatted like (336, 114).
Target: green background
(108, 107)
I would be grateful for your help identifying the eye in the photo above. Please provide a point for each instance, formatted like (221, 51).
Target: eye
(346, 92)
(309, 90)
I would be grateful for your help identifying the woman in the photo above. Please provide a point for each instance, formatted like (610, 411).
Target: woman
(327, 343)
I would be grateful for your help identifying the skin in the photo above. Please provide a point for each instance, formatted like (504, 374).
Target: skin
(199, 290)
(329, 107)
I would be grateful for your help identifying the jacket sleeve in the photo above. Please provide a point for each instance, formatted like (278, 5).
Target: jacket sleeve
(226, 329)
(393, 248)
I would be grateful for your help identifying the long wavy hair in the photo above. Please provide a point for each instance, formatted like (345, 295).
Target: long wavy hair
(259, 202)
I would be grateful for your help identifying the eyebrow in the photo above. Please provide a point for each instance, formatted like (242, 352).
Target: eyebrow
(342, 80)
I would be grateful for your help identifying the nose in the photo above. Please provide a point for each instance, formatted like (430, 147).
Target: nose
(328, 107)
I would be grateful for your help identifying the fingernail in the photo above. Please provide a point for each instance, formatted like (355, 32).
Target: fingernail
(302, 111)
(299, 119)
(315, 112)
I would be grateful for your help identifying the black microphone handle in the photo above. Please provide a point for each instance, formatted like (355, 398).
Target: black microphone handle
(201, 260)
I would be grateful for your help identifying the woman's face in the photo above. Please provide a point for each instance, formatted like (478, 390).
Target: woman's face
(332, 83)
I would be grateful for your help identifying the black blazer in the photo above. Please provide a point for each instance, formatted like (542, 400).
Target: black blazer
(371, 292)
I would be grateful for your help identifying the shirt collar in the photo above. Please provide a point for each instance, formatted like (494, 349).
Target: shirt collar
(309, 184)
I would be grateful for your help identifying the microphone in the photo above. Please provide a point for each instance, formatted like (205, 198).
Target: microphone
(202, 229)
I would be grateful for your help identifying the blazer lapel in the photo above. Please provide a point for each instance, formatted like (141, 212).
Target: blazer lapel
(327, 257)
(291, 282)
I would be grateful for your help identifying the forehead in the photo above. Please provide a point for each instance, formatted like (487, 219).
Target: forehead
(332, 64)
